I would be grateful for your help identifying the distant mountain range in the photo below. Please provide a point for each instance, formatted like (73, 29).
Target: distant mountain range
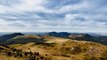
(81, 36)
(20, 37)
(60, 34)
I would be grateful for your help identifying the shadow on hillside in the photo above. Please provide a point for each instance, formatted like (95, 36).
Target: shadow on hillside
(24, 41)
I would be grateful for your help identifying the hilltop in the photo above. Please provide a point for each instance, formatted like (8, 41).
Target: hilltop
(6, 37)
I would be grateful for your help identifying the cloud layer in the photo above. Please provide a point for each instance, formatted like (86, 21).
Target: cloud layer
(53, 15)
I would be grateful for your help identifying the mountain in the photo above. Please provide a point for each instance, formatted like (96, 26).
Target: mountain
(102, 39)
(6, 37)
(81, 36)
(16, 37)
(59, 34)
(25, 39)
(88, 37)
(74, 36)
(84, 36)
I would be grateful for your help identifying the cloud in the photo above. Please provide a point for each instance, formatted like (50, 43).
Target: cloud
(57, 15)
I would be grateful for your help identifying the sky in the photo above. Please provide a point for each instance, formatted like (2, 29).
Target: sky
(53, 15)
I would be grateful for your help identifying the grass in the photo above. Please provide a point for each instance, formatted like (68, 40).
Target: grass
(66, 50)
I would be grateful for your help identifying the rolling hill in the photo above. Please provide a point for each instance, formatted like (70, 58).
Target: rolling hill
(24, 39)
(63, 46)
(6, 37)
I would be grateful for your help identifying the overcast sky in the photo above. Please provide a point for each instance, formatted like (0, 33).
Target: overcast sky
(53, 15)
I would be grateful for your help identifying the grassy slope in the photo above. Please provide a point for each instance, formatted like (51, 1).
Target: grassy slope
(64, 49)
